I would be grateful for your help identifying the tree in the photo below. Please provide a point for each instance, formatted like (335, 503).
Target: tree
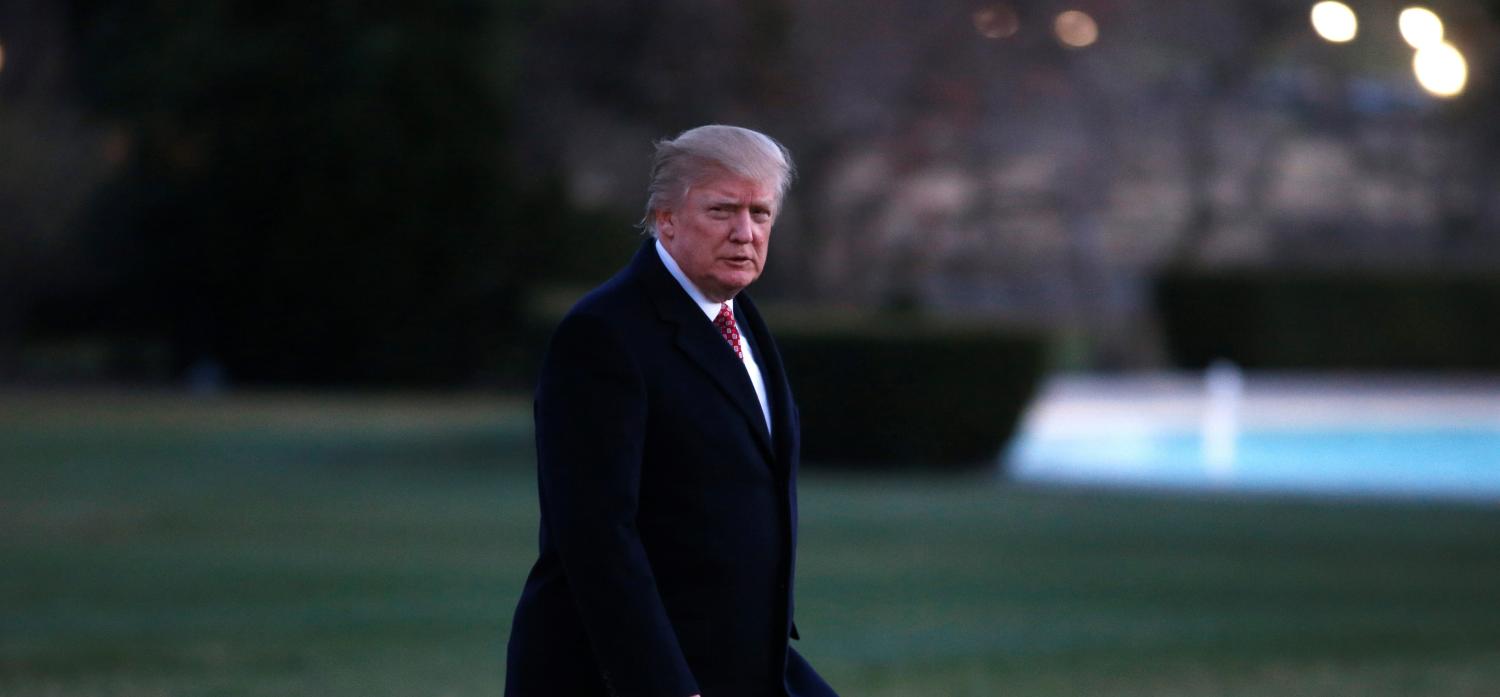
(315, 192)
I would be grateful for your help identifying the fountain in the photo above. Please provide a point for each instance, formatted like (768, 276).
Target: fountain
(1224, 390)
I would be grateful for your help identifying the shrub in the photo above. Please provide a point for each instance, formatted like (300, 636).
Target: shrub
(888, 392)
(1330, 320)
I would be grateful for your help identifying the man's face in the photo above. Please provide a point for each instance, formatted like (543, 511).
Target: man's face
(719, 232)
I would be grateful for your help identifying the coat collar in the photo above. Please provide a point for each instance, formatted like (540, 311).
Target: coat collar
(778, 387)
(697, 338)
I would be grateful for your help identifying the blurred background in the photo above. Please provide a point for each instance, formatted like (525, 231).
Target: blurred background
(1143, 348)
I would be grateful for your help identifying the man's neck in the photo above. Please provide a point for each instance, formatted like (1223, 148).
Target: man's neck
(709, 307)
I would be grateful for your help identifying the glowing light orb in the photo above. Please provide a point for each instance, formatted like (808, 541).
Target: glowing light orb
(1420, 27)
(1075, 29)
(1334, 21)
(996, 22)
(1441, 70)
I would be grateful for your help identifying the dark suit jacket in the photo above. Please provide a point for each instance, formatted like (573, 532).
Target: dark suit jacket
(669, 514)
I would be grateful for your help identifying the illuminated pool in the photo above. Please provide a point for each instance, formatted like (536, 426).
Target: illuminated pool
(1309, 437)
(1428, 462)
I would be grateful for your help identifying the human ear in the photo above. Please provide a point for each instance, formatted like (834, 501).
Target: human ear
(664, 226)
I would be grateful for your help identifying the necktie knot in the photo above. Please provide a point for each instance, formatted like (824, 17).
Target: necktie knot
(728, 329)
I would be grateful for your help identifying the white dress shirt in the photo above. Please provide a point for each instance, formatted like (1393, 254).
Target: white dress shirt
(711, 310)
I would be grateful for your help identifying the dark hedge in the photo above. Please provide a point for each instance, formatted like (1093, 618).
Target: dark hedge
(1327, 320)
(896, 392)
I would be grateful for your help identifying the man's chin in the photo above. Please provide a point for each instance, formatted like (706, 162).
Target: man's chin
(735, 283)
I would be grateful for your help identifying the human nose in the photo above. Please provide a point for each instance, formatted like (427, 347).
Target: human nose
(743, 229)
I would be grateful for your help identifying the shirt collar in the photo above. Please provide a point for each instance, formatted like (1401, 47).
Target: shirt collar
(709, 307)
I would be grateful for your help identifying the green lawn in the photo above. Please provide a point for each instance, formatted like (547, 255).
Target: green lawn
(321, 546)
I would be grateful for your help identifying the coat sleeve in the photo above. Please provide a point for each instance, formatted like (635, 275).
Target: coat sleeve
(590, 431)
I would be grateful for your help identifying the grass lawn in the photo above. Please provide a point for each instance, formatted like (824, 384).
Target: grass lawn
(310, 545)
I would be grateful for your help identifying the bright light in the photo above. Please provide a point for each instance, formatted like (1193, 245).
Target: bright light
(1421, 27)
(1441, 70)
(996, 22)
(1075, 29)
(1334, 21)
(2, 56)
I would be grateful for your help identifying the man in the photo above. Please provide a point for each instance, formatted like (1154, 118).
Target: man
(667, 449)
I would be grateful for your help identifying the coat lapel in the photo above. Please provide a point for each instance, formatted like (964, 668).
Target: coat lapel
(700, 341)
(778, 388)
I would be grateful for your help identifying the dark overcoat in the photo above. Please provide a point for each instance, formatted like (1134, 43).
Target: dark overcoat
(669, 512)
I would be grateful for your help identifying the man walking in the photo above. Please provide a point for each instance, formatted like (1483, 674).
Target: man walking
(667, 449)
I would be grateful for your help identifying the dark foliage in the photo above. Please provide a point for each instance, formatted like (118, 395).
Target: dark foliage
(315, 192)
(1330, 320)
(894, 392)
